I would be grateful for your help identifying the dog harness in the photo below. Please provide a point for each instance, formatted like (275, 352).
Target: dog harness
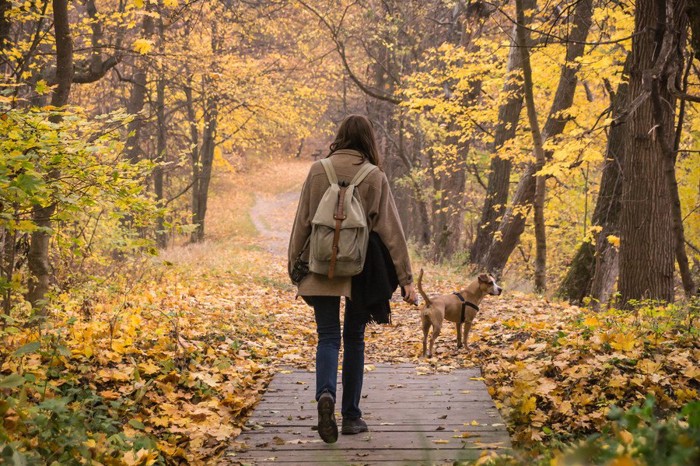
(464, 306)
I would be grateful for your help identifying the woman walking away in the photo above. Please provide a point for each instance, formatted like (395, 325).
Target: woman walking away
(352, 167)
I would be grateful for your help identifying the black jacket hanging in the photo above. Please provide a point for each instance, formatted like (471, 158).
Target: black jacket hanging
(373, 287)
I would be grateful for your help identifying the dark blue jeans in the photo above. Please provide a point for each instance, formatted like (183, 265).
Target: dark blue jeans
(327, 310)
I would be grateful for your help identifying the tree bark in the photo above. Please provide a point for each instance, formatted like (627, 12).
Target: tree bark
(449, 206)
(195, 149)
(94, 68)
(689, 285)
(161, 142)
(513, 223)
(646, 234)
(137, 98)
(594, 268)
(693, 14)
(199, 211)
(498, 186)
(38, 255)
(540, 233)
(161, 147)
(5, 24)
(665, 119)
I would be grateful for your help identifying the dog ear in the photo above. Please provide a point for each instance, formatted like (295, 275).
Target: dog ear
(484, 278)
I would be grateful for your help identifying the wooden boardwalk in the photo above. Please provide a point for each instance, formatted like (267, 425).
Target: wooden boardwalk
(413, 419)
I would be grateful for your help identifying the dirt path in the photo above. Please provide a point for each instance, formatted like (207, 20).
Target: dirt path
(273, 216)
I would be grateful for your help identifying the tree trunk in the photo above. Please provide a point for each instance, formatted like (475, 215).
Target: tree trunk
(693, 13)
(449, 209)
(646, 235)
(513, 223)
(161, 144)
(450, 206)
(38, 255)
(665, 119)
(205, 170)
(161, 147)
(689, 285)
(540, 233)
(498, 187)
(5, 24)
(137, 98)
(594, 268)
(195, 150)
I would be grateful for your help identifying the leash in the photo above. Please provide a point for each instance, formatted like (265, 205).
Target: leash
(464, 306)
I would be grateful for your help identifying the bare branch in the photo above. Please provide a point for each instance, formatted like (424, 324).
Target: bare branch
(340, 48)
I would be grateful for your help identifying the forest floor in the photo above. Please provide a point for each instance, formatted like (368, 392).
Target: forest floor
(179, 358)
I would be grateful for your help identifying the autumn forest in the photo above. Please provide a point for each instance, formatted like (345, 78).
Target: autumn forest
(151, 157)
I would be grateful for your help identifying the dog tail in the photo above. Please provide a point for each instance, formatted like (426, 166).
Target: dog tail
(420, 289)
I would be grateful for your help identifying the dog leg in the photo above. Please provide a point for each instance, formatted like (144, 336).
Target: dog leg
(459, 335)
(426, 328)
(467, 329)
(436, 333)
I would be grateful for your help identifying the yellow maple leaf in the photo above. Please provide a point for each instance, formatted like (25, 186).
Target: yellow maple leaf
(90, 443)
(614, 240)
(149, 368)
(692, 372)
(142, 457)
(528, 405)
(110, 394)
(625, 436)
(142, 46)
(623, 461)
(591, 321)
(623, 342)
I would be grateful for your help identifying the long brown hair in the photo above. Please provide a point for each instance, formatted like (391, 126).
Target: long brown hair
(356, 133)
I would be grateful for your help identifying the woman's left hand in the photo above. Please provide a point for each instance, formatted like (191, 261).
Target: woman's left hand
(409, 294)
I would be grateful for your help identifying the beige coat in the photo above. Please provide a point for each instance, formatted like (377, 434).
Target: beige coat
(382, 218)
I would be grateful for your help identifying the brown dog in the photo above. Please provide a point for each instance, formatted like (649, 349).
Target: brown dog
(458, 307)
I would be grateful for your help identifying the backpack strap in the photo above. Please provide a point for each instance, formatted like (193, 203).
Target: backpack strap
(362, 173)
(339, 215)
(330, 171)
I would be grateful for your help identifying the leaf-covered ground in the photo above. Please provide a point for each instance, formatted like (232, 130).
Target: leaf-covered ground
(167, 370)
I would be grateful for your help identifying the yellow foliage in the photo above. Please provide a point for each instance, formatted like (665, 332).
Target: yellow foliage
(591, 321)
(623, 341)
(623, 461)
(614, 240)
(528, 405)
(142, 46)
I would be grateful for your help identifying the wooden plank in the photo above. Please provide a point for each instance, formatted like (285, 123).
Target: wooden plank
(426, 398)
(413, 418)
(308, 439)
(428, 428)
(388, 427)
(394, 414)
(359, 457)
